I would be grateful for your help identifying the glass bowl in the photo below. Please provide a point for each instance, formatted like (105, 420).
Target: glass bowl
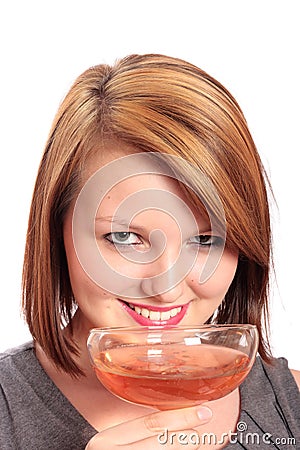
(173, 367)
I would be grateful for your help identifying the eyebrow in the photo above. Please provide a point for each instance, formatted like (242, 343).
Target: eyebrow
(119, 221)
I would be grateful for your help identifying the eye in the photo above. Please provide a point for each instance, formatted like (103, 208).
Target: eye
(207, 240)
(122, 238)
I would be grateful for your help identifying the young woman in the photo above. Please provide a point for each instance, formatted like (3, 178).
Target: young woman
(107, 226)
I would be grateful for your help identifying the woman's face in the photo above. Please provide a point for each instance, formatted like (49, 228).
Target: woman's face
(138, 258)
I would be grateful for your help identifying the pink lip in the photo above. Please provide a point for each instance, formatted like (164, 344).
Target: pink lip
(147, 322)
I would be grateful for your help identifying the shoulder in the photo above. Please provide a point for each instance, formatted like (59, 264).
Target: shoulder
(14, 363)
(15, 357)
(29, 399)
(278, 371)
(273, 379)
(16, 352)
(270, 399)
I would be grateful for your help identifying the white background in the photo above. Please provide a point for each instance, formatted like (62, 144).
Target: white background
(252, 47)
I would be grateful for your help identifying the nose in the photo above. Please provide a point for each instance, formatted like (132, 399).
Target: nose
(163, 279)
(156, 288)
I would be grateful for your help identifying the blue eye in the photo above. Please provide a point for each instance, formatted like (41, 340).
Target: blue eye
(207, 240)
(122, 238)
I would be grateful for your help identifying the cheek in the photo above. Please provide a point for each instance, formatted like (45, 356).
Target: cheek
(217, 285)
(82, 285)
(93, 302)
(80, 282)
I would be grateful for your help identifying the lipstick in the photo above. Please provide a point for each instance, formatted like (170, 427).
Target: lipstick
(148, 315)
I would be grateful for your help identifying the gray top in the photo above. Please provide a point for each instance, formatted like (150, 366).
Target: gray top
(34, 414)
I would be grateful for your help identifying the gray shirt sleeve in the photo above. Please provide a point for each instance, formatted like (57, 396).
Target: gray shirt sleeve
(7, 438)
(34, 414)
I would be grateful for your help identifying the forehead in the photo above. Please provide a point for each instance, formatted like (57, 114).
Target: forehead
(121, 172)
(113, 161)
(105, 152)
(145, 183)
(150, 200)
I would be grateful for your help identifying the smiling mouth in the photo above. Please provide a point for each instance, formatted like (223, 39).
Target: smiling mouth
(150, 315)
(155, 315)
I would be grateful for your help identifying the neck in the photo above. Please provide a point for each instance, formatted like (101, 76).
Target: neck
(79, 334)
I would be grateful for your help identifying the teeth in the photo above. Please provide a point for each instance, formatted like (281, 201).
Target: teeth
(137, 309)
(145, 312)
(156, 315)
(174, 312)
(165, 315)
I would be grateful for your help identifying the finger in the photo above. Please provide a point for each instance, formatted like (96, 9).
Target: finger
(155, 423)
(167, 440)
(172, 440)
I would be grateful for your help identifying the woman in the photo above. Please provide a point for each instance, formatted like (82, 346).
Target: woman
(203, 159)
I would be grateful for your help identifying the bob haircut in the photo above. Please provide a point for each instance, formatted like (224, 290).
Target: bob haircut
(159, 104)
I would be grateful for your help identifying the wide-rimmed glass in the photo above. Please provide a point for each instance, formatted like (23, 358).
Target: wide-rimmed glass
(172, 367)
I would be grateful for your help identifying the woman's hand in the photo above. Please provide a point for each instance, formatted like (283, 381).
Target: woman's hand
(159, 430)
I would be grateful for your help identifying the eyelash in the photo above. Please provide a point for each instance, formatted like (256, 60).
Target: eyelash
(110, 237)
(212, 240)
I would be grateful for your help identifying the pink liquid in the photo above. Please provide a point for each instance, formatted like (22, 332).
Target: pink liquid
(176, 379)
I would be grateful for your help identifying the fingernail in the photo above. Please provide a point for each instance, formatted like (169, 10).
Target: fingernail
(204, 413)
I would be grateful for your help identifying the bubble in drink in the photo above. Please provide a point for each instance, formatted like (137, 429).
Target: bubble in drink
(172, 376)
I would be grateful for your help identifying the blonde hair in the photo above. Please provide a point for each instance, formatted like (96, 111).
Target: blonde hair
(162, 104)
